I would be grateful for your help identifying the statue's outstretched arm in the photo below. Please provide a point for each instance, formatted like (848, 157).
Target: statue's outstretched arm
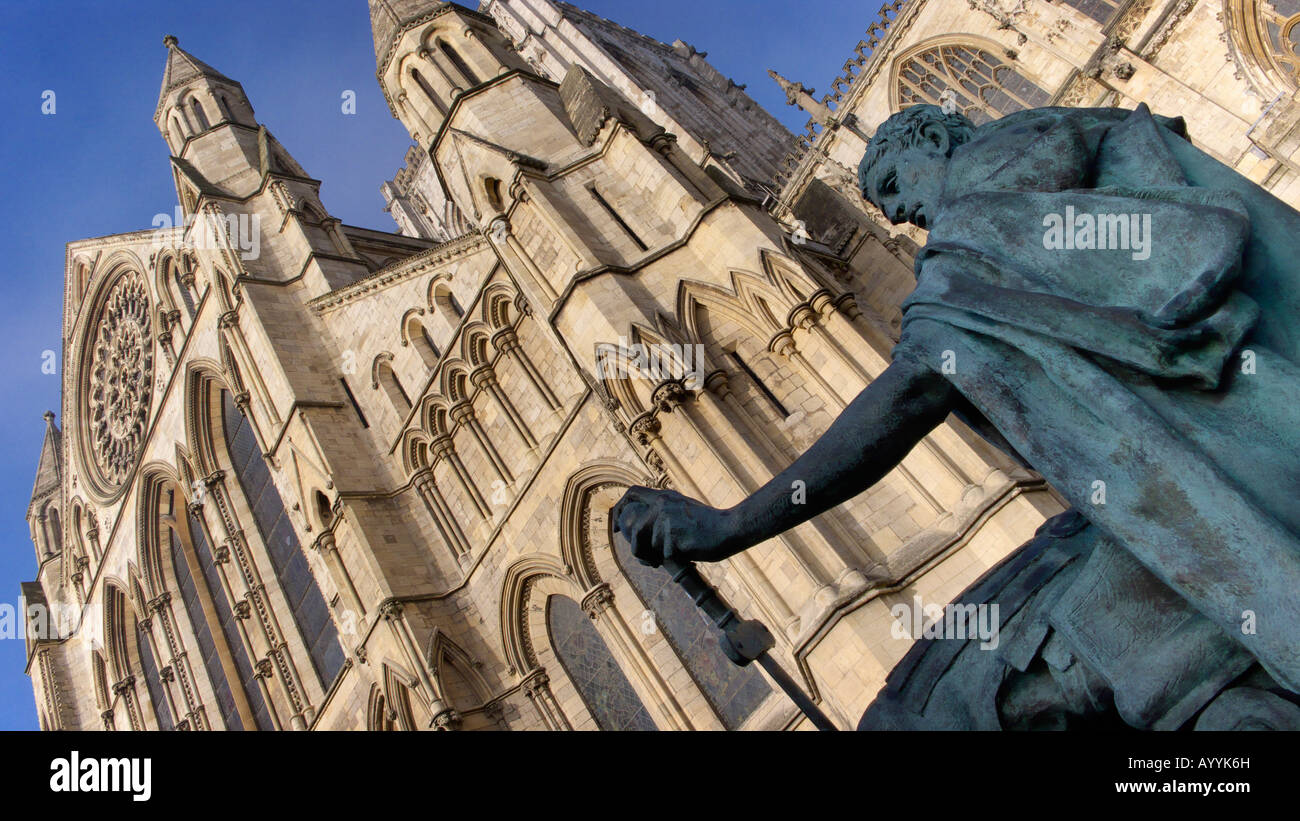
(873, 434)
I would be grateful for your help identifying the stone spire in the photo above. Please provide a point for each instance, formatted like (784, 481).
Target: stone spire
(796, 94)
(49, 470)
(182, 68)
(388, 18)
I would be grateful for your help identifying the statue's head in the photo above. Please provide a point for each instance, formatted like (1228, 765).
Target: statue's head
(903, 169)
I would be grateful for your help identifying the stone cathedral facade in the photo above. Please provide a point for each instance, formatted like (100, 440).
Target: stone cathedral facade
(315, 476)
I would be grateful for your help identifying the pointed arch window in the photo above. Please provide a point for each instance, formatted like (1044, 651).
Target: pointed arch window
(210, 615)
(178, 130)
(424, 345)
(387, 379)
(591, 667)
(460, 65)
(153, 681)
(733, 692)
(982, 85)
(200, 118)
(445, 301)
(307, 604)
(56, 531)
(427, 90)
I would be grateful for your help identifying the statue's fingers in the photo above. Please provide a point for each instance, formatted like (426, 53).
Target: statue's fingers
(661, 536)
(630, 496)
(644, 546)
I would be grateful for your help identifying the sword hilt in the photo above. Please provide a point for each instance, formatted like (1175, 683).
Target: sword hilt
(743, 639)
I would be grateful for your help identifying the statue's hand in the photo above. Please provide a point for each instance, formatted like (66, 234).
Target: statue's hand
(664, 524)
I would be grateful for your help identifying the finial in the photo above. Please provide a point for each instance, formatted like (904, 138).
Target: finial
(170, 41)
(48, 416)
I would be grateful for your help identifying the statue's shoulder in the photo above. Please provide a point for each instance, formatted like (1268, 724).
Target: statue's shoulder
(1087, 121)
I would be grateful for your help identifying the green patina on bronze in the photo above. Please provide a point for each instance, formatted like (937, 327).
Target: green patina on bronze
(1167, 369)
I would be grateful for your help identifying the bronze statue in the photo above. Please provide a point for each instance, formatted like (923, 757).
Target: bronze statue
(1116, 307)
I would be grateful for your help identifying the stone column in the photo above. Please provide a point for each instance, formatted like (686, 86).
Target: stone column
(236, 546)
(125, 690)
(851, 549)
(443, 519)
(392, 613)
(455, 87)
(443, 448)
(784, 344)
(463, 414)
(329, 551)
(507, 341)
(645, 429)
(161, 608)
(263, 672)
(92, 533)
(537, 686)
(516, 258)
(673, 396)
(484, 379)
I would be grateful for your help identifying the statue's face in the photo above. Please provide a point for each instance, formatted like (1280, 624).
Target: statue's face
(907, 183)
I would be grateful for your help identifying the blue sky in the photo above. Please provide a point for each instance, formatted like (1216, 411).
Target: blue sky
(98, 165)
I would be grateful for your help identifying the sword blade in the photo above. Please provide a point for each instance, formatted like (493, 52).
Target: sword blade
(795, 693)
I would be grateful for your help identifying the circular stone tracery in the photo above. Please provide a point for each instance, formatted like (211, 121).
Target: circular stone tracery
(120, 379)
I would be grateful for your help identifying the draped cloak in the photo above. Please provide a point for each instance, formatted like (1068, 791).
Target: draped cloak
(1160, 396)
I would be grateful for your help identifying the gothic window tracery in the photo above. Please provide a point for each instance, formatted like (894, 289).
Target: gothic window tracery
(118, 380)
(307, 604)
(591, 667)
(978, 83)
(1267, 34)
(204, 601)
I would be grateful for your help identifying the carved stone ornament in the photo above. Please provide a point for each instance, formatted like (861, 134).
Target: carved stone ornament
(120, 380)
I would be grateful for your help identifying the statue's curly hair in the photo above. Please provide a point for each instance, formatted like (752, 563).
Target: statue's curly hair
(903, 130)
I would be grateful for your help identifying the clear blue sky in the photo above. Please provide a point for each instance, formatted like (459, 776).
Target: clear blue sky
(98, 165)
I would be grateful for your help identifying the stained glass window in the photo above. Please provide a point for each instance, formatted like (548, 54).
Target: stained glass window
(980, 85)
(592, 669)
(310, 612)
(735, 692)
(1099, 10)
(207, 644)
(1281, 22)
(161, 712)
